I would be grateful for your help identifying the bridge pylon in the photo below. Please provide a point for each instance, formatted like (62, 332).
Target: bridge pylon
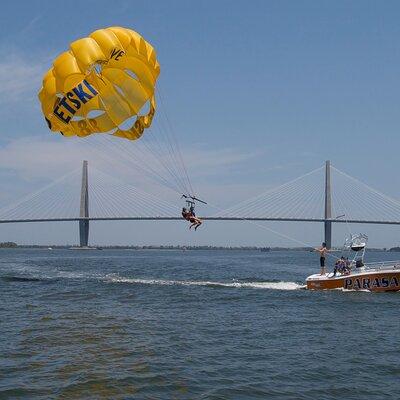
(328, 205)
(84, 208)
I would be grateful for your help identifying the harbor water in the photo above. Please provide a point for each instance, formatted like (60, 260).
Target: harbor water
(172, 324)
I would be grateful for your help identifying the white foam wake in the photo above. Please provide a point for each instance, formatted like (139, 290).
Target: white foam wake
(163, 282)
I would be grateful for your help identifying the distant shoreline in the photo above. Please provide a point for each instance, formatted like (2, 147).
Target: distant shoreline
(12, 245)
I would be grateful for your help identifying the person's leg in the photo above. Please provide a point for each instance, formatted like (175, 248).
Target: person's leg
(322, 263)
(198, 223)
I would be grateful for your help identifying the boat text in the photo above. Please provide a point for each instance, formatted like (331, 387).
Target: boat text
(371, 283)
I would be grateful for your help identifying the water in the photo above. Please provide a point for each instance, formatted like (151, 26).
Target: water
(189, 325)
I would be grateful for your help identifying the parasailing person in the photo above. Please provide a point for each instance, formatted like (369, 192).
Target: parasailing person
(189, 216)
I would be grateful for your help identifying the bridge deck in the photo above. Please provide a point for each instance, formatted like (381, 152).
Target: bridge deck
(352, 221)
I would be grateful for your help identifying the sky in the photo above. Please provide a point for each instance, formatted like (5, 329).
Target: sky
(258, 93)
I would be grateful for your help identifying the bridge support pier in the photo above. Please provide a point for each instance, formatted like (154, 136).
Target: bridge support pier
(84, 208)
(328, 206)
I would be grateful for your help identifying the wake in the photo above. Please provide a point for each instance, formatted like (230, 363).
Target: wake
(26, 275)
(253, 285)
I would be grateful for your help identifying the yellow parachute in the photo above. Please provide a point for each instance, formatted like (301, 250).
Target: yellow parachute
(100, 83)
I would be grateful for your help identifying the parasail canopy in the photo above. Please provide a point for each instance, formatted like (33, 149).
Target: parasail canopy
(104, 83)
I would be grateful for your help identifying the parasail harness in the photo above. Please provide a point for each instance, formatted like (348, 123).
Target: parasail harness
(191, 203)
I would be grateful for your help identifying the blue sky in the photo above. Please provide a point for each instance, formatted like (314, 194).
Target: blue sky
(277, 87)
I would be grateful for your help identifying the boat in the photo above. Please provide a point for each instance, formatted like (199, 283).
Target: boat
(357, 275)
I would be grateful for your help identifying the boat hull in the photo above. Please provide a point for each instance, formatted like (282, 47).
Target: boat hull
(374, 281)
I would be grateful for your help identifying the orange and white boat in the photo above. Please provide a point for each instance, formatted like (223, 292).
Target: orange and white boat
(374, 277)
(380, 277)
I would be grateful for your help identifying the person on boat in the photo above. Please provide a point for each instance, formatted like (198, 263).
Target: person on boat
(195, 222)
(322, 256)
(344, 266)
(338, 267)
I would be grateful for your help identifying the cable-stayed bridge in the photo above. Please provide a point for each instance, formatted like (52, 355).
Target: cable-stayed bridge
(325, 195)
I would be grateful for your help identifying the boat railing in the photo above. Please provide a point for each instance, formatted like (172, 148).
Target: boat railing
(379, 265)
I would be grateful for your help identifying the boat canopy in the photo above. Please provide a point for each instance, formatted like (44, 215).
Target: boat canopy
(356, 242)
